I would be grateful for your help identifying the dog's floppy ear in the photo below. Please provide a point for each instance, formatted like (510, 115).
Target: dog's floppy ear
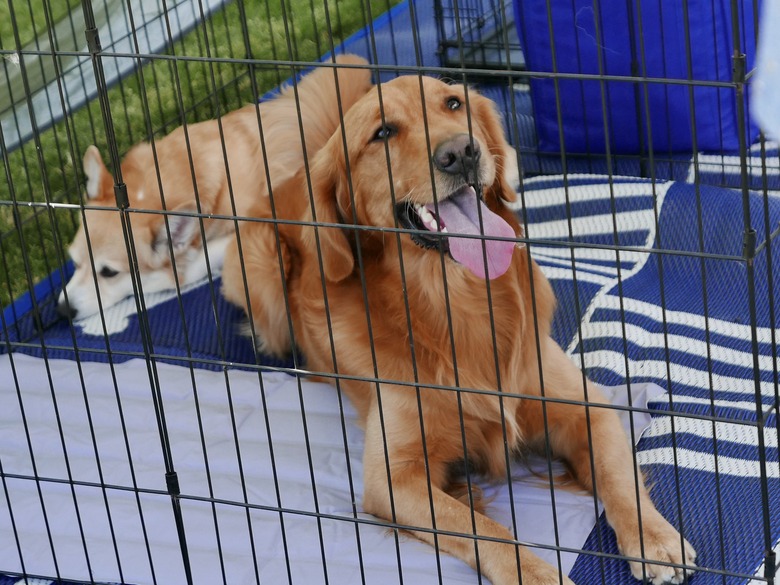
(489, 120)
(328, 186)
(99, 180)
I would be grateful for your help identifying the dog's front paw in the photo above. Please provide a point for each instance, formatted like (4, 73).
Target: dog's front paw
(660, 542)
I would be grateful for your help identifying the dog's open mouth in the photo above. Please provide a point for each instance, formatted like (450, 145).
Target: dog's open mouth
(462, 212)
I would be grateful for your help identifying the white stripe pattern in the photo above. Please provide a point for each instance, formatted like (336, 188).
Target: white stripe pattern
(592, 225)
(578, 266)
(730, 165)
(686, 459)
(553, 273)
(719, 326)
(657, 369)
(731, 432)
(539, 198)
(586, 254)
(689, 345)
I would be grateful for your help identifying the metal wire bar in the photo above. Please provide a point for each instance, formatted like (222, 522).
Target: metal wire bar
(89, 414)
(292, 63)
(450, 328)
(145, 333)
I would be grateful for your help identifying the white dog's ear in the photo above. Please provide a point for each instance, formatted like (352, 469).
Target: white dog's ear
(96, 172)
(182, 231)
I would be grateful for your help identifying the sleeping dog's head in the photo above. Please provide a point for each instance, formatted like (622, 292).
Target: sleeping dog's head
(427, 157)
(99, 253)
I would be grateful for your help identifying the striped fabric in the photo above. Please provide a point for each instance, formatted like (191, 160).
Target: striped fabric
(682, 322)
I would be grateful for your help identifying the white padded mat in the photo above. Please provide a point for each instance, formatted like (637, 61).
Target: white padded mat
(52, 428)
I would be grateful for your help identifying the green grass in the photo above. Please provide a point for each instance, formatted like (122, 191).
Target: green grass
(157, 98)
(30, 18)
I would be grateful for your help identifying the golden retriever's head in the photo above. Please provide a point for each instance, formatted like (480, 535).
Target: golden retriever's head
(424, 156)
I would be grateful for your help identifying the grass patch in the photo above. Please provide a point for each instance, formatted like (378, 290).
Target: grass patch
(155, 99)
(31, 18)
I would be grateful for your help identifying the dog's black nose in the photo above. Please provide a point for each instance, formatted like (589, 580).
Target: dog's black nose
(65, 310)
(458, 155)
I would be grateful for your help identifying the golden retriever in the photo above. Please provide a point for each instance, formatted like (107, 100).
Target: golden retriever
(214, 167)
(405, 276)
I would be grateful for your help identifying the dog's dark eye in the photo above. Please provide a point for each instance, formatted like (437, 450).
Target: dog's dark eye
(107, 272)
(385, 132)
(454, 103)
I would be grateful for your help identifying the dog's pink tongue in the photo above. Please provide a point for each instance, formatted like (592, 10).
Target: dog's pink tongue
(460, 214)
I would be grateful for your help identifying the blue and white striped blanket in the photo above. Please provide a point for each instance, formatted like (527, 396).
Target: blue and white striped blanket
(683, 322)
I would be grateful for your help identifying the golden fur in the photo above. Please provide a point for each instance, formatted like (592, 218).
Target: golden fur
(415, 322)
(188, 172)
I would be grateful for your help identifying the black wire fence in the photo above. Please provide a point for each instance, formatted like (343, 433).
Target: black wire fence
(645, 193)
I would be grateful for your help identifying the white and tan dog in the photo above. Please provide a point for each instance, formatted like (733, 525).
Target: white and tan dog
(213, 168)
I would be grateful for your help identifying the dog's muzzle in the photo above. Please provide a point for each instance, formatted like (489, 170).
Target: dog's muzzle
(461, 224)
(459, 156)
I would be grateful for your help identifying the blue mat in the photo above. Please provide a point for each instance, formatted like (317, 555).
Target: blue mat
(200, 331)
(654, 321)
